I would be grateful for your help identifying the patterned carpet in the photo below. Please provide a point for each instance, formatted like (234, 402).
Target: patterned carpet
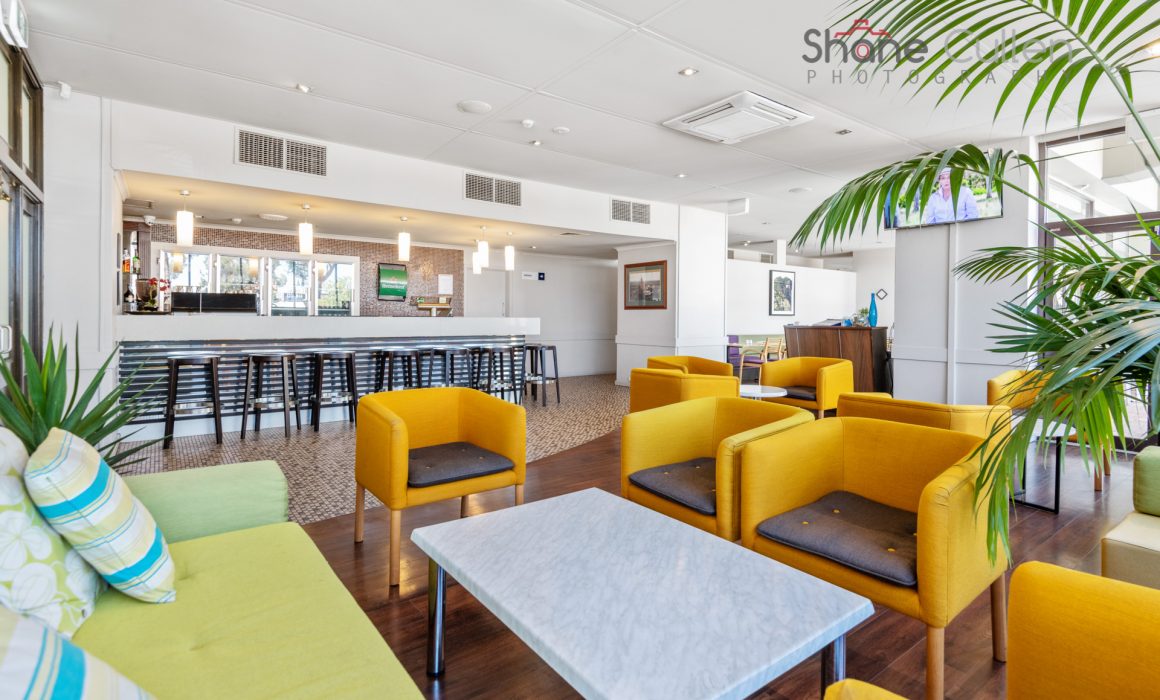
(320, 466)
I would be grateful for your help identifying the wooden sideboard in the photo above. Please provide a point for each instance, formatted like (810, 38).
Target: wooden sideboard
(865, 347)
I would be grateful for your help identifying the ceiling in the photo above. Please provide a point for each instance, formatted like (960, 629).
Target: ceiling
(387, 74)
(219, 204)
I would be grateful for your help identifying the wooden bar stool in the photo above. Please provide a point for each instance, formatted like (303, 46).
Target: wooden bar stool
(386, 359)
(540, 372)
(347, 391)
(448, 355)
(212, 403)
(257, 364)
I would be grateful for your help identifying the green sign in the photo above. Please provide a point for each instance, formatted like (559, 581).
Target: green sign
(392, 282)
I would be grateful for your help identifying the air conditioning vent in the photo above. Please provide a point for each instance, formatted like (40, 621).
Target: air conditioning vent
(737, 118)
(256, 148)
(730, 254)
(260, 149)
(769, 258)
(632, 212)
(146, 204)
(573, 233)
(493, 189)
(309, 158)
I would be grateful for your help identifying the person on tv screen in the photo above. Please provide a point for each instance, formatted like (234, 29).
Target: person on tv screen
(940, 208)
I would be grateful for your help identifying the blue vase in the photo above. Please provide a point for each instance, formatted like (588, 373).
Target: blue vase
(872, 318)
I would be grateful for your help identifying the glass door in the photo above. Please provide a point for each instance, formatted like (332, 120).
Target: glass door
(9, 282)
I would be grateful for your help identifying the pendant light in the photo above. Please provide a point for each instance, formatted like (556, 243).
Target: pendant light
(184, 224)
(306, 233)
(404, 246)
(484, 253)
(509, 256)
(476, 266)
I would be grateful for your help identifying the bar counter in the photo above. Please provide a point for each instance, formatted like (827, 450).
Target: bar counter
(146, 342)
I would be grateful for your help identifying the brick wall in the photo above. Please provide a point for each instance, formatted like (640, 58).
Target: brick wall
(423, 270)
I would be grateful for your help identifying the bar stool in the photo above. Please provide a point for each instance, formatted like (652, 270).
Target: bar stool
(385, 360)
(538, 370)
(213, 404)
(447, 356)
(347, 395)
(252, 398)
(494, 369)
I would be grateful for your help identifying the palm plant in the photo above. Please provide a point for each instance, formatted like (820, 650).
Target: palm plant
(1091, 316)
(43, 401)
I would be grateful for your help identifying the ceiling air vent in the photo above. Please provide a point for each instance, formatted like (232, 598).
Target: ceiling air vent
(769, 258)
(632, 212)
(131, 203)
(492, 189)
(309, 158)
(737, 118)
(730, 254)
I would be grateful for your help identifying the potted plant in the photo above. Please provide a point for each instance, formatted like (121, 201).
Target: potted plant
(1091, 318)
(43, 401)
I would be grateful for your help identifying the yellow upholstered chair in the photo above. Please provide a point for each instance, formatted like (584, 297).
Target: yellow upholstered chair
(423, 445)
(975, 420)
(649, 388)
(813, 383)
(877, 496)
(684, 460)
(1065, 627)
(690, 364)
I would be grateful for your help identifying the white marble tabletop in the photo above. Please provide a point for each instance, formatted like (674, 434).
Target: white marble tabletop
(624, 602)
(760, 391)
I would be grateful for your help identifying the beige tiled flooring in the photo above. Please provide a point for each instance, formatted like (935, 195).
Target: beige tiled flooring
(320, 466)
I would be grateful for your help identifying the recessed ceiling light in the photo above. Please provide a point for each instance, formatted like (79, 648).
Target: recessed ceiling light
(537, 142)
(561, 130)
(273, 217)
(746, 243)
(682, 175)
(302, 87)
(533, 247)
(474, 107)
(528, 123)
(765, 223)
(843, 132)
(510, 233)
(800, 190)
(402, 218)
(1154, 49)
(688, 71)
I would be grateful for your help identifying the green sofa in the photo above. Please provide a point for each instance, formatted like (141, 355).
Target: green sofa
(259, 612)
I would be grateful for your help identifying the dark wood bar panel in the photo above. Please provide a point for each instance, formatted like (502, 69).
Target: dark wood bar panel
(865, 347)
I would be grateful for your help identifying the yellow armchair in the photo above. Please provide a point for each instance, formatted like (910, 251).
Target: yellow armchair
(710, 431)
(480, 444)
(975, 420)
(650, 388)
(813, 383)
(690, 364)
(914, 469)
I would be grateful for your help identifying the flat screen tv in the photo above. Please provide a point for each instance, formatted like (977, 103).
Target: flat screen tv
(976, 201)
(392, 282)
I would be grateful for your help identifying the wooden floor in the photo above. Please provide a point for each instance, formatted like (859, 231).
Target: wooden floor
(485, 660)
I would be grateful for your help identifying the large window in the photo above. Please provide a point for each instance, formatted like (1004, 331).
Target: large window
(286, 285)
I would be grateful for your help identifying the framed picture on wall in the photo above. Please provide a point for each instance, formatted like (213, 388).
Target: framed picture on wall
(392, 282)
(646, 285)
(782, 293)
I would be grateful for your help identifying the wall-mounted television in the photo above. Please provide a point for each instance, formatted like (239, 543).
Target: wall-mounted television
(977, 200)
(392, 282)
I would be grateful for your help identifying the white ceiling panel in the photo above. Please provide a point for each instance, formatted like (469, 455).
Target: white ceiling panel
(524, 41)
(635, 10)
(120, 75)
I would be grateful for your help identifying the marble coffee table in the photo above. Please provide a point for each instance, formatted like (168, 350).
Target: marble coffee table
(624, 602)
(760, 391)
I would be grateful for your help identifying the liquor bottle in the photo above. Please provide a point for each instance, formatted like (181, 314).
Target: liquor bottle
(130, 300)
(136, 263)
(126, 261)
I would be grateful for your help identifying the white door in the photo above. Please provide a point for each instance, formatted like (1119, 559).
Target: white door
(490, 289)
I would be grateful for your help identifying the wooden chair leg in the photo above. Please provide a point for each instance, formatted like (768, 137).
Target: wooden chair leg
(1098, 479)
(360, 499)
(396, 540)
(519, 494)
(463, 506)
(935, 662)
(821, 413)
(1107, 467)
(999, 618)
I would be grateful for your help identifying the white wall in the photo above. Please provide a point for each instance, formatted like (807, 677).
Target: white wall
(821, 294)
(875, 270)
(700, 297)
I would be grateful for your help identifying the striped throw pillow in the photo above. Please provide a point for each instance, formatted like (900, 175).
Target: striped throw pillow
(90, 506)
(38, 664)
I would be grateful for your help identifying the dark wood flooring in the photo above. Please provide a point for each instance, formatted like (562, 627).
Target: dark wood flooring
(485, 660)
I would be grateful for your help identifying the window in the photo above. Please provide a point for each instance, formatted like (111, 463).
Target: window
(239, 274)
(335, 288)
(26, 121)
(1097, 176)
(190, 272)
(5, 97)
(289, 287)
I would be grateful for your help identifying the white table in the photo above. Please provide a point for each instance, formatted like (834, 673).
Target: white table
(760, 391)
(624, 602)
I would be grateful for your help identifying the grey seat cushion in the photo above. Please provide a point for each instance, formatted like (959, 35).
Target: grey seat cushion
(452, 461)
(692, 484)
(870, 537)
(803, 393)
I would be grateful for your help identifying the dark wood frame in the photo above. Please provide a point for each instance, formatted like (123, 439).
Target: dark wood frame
(378, 287)
(793, 301)
(664, 266)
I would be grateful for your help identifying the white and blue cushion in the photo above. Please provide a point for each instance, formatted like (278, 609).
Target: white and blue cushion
(38, 664)
(88, 503)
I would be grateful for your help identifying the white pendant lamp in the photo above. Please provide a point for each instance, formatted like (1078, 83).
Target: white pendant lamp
(184, 224)
(404, 246)
(476, 265)
(509, 257)
(306, 234)
(481, 247)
